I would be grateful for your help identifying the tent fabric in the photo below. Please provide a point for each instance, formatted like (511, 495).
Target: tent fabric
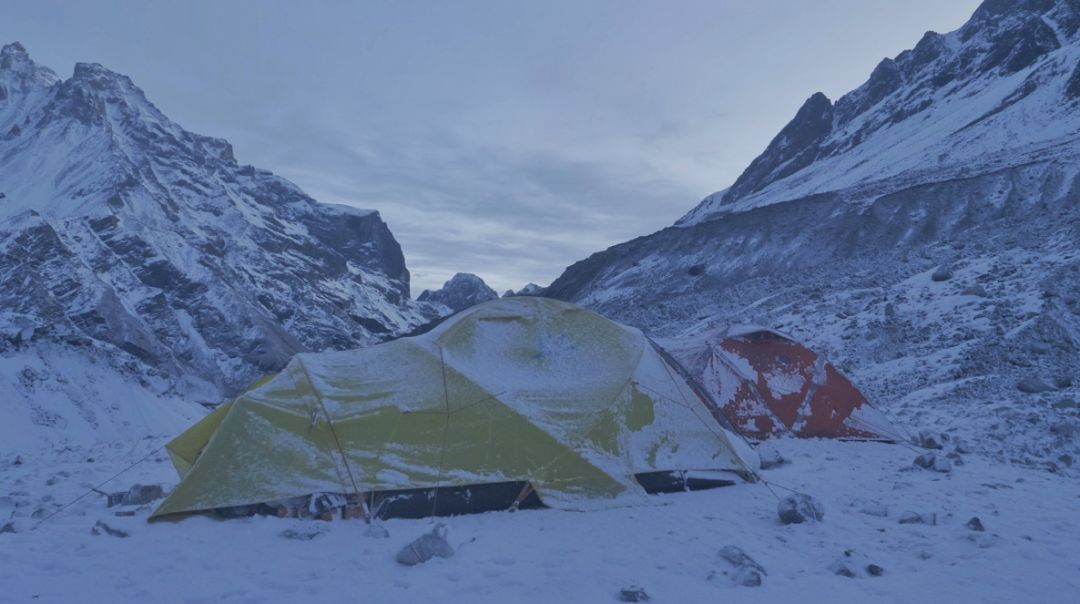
(766, 384)
(521, 389)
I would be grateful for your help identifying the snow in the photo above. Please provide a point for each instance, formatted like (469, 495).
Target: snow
(1028, 553)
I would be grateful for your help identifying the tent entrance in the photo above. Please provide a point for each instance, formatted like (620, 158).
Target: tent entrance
(679, 481)
(453, 501)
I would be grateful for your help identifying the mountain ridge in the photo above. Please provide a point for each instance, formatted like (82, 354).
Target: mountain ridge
(122, 231)
(934, 256)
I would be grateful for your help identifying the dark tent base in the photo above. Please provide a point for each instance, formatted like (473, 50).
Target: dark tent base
(453, 501)
(477, 498)
(678, 481)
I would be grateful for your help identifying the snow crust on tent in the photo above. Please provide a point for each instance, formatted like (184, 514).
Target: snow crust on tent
(518, 389)
(766, 384)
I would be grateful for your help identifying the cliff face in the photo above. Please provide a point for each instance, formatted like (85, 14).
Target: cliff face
(122, 232)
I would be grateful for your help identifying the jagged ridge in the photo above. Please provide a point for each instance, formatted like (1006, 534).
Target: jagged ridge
(118, 228)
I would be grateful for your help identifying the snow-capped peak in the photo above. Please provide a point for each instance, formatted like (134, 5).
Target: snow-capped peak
(119, 227)
(952, 102)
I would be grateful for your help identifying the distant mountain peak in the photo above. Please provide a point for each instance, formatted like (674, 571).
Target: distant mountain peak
(460, 292)
(960, 94)
(19, 73)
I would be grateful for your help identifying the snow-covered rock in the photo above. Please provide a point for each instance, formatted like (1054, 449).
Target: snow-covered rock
(460, 292)
(962, 153)
(798, 508)
(124, 233)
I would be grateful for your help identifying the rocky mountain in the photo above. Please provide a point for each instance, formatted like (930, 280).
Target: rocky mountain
(460, 292)
(530, 289)
(923, 230)
(131, 242)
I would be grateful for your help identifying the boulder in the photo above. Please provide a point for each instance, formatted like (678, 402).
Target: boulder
(1064, 428)
(376, 531)
(103, 529)
(746, 571)
(875, 509)
(139, 494)
(426, 547)
(305, 534)
(931, 461)
(928, 440)
(942, 273)
(798, 508)
(910, 517)
(633, 594)
(975, 524)
(1033, 385)
(771, 458)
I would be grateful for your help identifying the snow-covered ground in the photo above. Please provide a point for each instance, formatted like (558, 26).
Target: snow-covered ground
(1029, 552)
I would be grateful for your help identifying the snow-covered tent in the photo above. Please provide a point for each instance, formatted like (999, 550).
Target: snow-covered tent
(510, 396)
(767, 384)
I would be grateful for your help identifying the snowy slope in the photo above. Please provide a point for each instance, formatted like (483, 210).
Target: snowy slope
(1027, 553)
(923, 231)
(1000, 91)
(121, 231)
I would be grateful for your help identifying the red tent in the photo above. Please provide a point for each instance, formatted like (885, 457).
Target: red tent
(767, 384)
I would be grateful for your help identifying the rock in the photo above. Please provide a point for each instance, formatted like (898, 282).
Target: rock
(771, 458)
(928, 440)
(942, 273)
(1063, 381)
(931, 461)
(875, 509)
(983, 540)
(633, 594)
(376, 531)
(874, 570)
(9, 527)
(138, 494)
(975, 290)
(306, 534)
(1064, 428)
(426, 547)
(955, 458)
(842, 569)
(746, 571)
(18, 461)
(975, 524)
(910, 517)
(799, 508)
(101, 527)
(1065, 403)
(1031, 385)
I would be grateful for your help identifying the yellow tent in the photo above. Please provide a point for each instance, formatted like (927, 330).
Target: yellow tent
(515, 391)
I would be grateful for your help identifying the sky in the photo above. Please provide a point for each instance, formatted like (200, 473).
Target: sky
(506, 139)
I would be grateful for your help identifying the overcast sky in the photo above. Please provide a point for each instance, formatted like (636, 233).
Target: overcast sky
(503, 138)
